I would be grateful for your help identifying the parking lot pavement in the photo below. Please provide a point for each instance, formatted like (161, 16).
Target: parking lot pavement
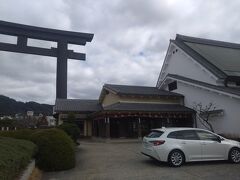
(106, 161)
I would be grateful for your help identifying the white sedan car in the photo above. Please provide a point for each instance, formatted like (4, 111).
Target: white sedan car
(179, 145)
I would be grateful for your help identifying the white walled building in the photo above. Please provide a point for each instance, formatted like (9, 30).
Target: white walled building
(205, 71)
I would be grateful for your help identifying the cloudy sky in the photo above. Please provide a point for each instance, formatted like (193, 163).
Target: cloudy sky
(129, 44)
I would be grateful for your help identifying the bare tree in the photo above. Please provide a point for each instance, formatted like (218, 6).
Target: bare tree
(203, 114)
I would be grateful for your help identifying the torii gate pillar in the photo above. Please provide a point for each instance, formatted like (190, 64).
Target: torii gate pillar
(61, 80)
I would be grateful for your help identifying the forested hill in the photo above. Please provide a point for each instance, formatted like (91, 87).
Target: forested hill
(11, 107)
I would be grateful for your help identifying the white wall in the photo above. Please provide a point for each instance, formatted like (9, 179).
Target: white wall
(181, 64)
(229, 122)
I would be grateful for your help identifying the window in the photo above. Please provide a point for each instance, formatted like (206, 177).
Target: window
(190, 135)
(203, 135)
(172, 86)
(185, 134)
(155, 134)
(175, 135)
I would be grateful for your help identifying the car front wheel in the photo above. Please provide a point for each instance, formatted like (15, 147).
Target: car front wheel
(234, 155)
(176, 158)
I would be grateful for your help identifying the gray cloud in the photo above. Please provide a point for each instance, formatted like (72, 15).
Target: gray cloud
(130, 42)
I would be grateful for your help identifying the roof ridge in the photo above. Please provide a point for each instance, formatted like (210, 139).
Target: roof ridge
(129, 85)
(139, 90)
(208, 41)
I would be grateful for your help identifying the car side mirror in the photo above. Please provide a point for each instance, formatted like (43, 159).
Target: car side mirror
(218, 139)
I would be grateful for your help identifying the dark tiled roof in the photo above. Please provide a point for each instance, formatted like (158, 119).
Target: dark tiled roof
(138, 90)
(146, 107)
(77, 105)
(220, 58)
(234, 91)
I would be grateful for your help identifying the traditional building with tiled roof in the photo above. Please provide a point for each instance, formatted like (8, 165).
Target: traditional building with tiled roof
(127, 111)
(195, 71)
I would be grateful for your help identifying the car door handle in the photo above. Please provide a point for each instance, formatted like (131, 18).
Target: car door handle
(183, 143)
(203, 143)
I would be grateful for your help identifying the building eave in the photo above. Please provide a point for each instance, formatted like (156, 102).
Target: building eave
(202, 85)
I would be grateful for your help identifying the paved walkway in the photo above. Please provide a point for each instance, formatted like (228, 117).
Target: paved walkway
(106, 161)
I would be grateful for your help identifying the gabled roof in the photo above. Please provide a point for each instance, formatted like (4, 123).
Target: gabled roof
(147, 107)
(138, 90)
(128, 90)
(220, 58)
(77, 105)
(234, 91)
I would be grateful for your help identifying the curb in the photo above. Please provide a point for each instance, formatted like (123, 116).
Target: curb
(28, 171)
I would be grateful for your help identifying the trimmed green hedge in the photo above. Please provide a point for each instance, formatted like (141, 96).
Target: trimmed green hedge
(18, 134)
(56, 150)
(71, 129)
(14, 156)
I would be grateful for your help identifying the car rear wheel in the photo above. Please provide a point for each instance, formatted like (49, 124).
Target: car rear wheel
(175, 158)
(234, 155)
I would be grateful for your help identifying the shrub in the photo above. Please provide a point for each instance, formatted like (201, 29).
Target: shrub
(14, 156)
(56, 150)
(71, 117)
(71, 129)
(18, 134)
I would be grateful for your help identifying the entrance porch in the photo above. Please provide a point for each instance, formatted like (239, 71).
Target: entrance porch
(137, 125)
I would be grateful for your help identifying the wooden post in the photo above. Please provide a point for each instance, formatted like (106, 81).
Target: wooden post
(194, 120)
(87, 127)
(107, 120)
(139, 128)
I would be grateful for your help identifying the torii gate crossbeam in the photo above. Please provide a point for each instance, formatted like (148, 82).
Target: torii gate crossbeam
(63, 38)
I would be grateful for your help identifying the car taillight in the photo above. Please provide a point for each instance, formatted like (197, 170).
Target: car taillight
(157, 142)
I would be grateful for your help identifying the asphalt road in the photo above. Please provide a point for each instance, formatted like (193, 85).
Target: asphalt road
(106, 161)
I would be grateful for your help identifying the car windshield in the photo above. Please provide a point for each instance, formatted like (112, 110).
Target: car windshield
(155, 134)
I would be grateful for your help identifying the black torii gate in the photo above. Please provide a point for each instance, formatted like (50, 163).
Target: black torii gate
(63, 38)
